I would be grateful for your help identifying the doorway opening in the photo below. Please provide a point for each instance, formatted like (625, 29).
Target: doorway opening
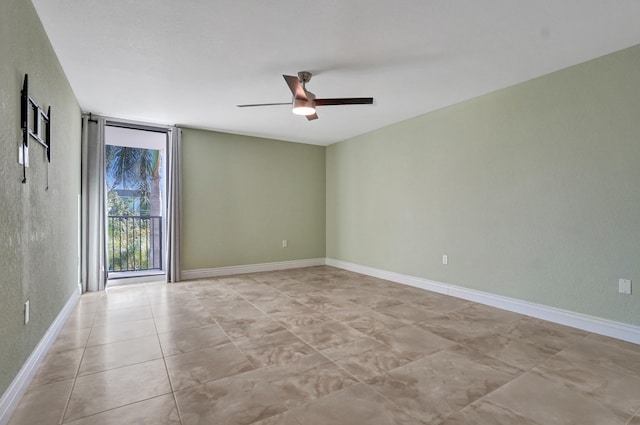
(135, 193)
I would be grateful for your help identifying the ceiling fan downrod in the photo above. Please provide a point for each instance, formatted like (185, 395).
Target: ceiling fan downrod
(304, 77)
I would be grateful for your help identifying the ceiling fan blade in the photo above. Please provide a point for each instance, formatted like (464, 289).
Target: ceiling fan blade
(296, 88)
(262, 104)
(312, 117)
(345, 101)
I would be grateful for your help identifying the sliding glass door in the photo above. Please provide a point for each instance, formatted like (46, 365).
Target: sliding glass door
(135, 197)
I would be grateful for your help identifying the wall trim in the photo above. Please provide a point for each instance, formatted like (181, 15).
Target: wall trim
(585, 322)
(20, 383)
(249, 268)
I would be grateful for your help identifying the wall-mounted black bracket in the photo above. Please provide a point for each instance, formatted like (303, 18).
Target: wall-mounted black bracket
(35, 124)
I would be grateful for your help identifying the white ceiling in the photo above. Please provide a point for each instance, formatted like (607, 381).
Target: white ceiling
(189, 62)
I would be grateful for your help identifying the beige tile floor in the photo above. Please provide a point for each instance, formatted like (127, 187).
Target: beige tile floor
(322, 346)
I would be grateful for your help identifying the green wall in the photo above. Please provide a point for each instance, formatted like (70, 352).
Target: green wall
(532, 191)
(243, 195)
(38, 227)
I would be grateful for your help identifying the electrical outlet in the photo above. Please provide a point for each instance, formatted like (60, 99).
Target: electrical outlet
(284, 243)
(445, 259)
(624, 286)
(26, 312)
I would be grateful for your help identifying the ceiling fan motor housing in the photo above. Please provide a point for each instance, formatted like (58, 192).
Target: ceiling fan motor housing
(304, 76)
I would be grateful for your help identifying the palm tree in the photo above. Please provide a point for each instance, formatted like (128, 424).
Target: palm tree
(139, 169)
(129, 168)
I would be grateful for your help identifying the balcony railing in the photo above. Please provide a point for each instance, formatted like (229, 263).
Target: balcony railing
(134, 243)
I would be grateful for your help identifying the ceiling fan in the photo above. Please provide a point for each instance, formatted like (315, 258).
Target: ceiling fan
(304, 102)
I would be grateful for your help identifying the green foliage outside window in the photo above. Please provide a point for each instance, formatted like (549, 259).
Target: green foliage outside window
(128, 236)
(133, 243)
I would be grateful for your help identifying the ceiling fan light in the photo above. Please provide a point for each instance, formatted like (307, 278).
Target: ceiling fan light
(303, 107)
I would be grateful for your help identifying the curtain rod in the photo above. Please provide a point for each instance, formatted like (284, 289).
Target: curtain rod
(137, 126)
(132, 125)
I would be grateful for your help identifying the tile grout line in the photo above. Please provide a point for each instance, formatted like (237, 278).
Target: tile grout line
(89, 374)
(75, 376)
(359, 381)
(524, 372)
(410, 361)
(633, 416)
(279, 322)
(231, 341)
(316, 351)
(164, 361)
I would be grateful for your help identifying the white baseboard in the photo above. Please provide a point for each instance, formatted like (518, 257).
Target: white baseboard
(564, 317)
(250, 268)
(14, 393)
